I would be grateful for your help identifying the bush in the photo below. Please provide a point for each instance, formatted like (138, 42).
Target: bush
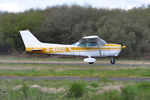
(111, 95)
(77, 89)
(144, 85)
(129, 93)
(25, 90)
(94, 84)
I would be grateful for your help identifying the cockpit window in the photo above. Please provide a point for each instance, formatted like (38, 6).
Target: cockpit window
(90, 42)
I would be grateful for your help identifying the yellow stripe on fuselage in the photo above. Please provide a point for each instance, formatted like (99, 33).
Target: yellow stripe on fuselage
(111, 45)
(106, 47)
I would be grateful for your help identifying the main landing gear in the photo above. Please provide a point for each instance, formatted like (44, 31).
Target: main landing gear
(90, 60)
(112, 61)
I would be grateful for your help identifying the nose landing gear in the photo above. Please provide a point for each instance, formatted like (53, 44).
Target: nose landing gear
(112, 61)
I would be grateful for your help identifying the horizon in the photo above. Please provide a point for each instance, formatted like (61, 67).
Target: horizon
(22, 6)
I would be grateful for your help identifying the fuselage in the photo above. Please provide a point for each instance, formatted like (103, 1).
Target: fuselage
(94, 51)
(89, 46)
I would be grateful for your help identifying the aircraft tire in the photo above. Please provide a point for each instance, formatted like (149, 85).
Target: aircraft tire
(91, 62)
(112, 61)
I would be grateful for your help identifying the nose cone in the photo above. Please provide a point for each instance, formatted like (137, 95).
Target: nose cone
(123, 47)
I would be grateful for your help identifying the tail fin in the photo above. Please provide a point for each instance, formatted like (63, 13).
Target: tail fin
(29, 39)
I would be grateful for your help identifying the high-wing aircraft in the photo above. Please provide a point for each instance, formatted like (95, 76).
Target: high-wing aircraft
(88, 46)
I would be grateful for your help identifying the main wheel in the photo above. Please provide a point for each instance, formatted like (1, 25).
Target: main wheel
(112, 61)
(91, 62)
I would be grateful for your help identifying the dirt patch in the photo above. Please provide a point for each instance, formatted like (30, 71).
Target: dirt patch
(138, 62)
(43, 89)
(17, 68)
(129, 62)
(48, 90)
(41, 61)
(17, 87)
(59, 69)
(110, 88)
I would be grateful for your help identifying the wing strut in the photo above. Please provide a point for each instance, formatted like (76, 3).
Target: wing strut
(99, 49)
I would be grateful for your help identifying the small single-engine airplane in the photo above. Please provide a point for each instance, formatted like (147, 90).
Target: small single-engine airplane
(89, 46)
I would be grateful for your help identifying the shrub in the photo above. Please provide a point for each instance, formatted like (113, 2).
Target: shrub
(77, 89)
(111, 95)
(94, 84)
(25, 90)
(129, 93)
(144, 85)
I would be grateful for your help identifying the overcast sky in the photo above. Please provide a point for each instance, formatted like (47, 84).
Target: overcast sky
(22, 5)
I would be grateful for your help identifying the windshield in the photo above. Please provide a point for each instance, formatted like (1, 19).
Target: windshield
(102, 42)
(75, 44)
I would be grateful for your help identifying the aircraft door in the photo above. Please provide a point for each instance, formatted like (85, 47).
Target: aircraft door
(82, 49)
(94, 48)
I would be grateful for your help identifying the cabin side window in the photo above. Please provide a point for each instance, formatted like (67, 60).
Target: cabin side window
(91, 44)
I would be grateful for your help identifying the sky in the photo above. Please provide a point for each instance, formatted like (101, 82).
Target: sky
(22, 5)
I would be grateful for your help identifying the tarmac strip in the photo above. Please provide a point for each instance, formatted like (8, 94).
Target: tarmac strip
(83, 64)
(76, 78)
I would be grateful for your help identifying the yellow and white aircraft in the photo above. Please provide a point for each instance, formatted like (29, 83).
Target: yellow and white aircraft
(89, 46)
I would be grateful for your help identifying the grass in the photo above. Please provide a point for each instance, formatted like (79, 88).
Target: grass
(93, 90)
(76, 89)
(73, 70)
(88, 90)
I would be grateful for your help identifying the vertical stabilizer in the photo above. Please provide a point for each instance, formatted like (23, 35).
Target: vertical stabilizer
(29, 39)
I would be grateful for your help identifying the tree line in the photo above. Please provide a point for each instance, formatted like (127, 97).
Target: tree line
(67, 24)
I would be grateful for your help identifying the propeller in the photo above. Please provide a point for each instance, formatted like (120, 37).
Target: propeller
(123, 46)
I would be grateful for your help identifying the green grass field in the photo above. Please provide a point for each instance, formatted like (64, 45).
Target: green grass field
(103, 89)
(59, 89)
(12, 69)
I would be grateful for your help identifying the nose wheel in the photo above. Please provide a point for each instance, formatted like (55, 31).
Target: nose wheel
(112, 61)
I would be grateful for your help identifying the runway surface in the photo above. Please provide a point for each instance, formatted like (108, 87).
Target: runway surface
(75, 63)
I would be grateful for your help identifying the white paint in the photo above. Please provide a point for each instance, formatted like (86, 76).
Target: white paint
(32, 42)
